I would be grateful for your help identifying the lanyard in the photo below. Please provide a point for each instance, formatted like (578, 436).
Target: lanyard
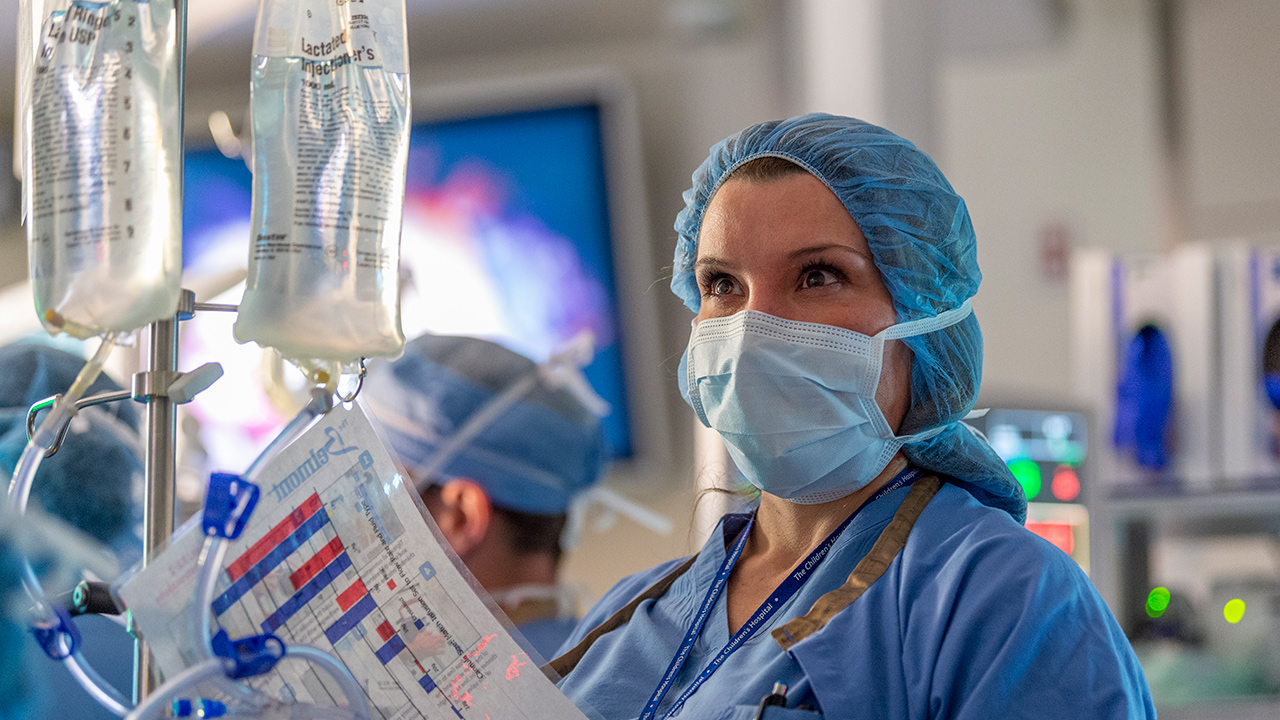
(784, 592)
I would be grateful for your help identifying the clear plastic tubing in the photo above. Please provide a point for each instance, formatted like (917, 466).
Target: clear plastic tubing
(211, 559)
(356, 701)
(20, 493)
(157, 703)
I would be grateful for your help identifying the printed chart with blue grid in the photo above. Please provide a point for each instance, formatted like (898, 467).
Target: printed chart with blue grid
(339, 555)
(305, 580)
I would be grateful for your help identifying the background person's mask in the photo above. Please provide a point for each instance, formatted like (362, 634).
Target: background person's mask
(795, 401)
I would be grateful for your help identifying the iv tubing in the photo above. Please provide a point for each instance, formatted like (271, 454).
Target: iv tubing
(20, 493)
(158, 701)
(210, 563)
(96, 686)
(25, 472)
(356, 700)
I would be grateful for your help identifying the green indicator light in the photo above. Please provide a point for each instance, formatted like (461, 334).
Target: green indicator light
(1233, 611)
(1027, 473)
(1157, 602)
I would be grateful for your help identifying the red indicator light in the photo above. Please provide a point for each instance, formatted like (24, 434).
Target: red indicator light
(1066, 484)
(1057, 533)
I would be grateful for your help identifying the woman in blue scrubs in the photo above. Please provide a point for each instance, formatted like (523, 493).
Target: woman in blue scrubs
(885, 572)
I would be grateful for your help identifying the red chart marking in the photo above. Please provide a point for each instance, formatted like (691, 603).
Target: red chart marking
(311, 567)
(391, 584)
(351, 595)
(274, 537)
(513, 670)
(385, 631)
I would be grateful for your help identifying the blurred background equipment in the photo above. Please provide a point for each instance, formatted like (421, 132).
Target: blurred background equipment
(1146, 363)
(1046, 451)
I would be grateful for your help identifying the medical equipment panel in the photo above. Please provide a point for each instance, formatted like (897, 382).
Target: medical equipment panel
(1145, 365)
(1046, 452)
(1249, 346)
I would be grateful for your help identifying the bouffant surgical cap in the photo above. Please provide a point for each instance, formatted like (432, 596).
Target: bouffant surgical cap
(533, 456)
(95, 479)
(924, 246)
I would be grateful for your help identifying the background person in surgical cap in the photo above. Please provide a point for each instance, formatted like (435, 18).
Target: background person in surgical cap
(94, 482)
(502, 497)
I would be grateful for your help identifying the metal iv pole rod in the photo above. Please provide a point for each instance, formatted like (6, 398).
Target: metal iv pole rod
(161, 416)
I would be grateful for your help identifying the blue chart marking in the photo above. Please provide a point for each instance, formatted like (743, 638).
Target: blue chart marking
(417, 624)
(307, 593)
(273, 559)
(390, 650)
(427, 683)
(350, 619)
(427, 571)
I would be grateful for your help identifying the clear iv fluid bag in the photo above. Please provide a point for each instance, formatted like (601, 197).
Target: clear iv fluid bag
(99, 119)
(330, 106)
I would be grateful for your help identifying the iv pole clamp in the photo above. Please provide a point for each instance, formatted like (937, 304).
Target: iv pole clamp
(179, 387)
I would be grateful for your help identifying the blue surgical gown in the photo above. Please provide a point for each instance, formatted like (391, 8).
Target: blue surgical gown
(976, 618)
(547, 634)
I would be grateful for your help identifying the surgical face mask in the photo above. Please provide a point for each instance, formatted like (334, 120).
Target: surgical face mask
(795, 401)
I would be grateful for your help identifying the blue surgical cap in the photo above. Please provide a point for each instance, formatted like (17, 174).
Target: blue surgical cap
(924, 246)
(532, 458)
(94, 479)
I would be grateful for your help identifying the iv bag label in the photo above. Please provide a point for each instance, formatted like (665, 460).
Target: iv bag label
(360, 200)
(99, 121)
(330, 103)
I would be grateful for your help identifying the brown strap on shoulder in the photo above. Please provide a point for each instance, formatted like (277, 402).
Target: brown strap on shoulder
(891, 541)
(565, 664)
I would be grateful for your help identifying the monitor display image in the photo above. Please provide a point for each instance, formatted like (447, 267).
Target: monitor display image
(507, 236)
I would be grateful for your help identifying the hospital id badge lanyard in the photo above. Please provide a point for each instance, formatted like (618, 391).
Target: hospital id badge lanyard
(767, 609)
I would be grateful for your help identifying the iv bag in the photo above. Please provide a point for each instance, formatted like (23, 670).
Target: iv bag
(99, 119)
(330, 106)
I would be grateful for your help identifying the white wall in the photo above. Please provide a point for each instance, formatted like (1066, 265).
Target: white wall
(1230, 117)
(1068, 135)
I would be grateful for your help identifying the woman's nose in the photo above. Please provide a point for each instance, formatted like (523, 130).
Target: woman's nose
(765, 300)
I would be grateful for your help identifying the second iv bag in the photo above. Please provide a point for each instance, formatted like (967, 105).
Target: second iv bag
(99, 118)
(330, 106)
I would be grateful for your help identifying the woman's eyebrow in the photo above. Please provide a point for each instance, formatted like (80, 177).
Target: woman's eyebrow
(815, 249)
(712, 262)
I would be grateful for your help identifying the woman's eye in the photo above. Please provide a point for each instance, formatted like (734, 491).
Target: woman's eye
(817, 277)
(721, 286)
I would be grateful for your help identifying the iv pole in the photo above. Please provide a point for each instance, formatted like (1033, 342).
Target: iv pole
(153, 385)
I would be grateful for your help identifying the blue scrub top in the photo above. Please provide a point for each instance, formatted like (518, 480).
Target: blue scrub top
(976, 618)
(547, 634)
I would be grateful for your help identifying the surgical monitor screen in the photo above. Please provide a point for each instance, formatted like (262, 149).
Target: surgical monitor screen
(506, 236)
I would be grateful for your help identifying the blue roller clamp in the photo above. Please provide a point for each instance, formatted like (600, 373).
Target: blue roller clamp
(201, 708)
(48, 637)
(228, 505)
(1144, 398)
(252, 655)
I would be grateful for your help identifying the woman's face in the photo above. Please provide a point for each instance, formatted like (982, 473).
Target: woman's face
(788, 247)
